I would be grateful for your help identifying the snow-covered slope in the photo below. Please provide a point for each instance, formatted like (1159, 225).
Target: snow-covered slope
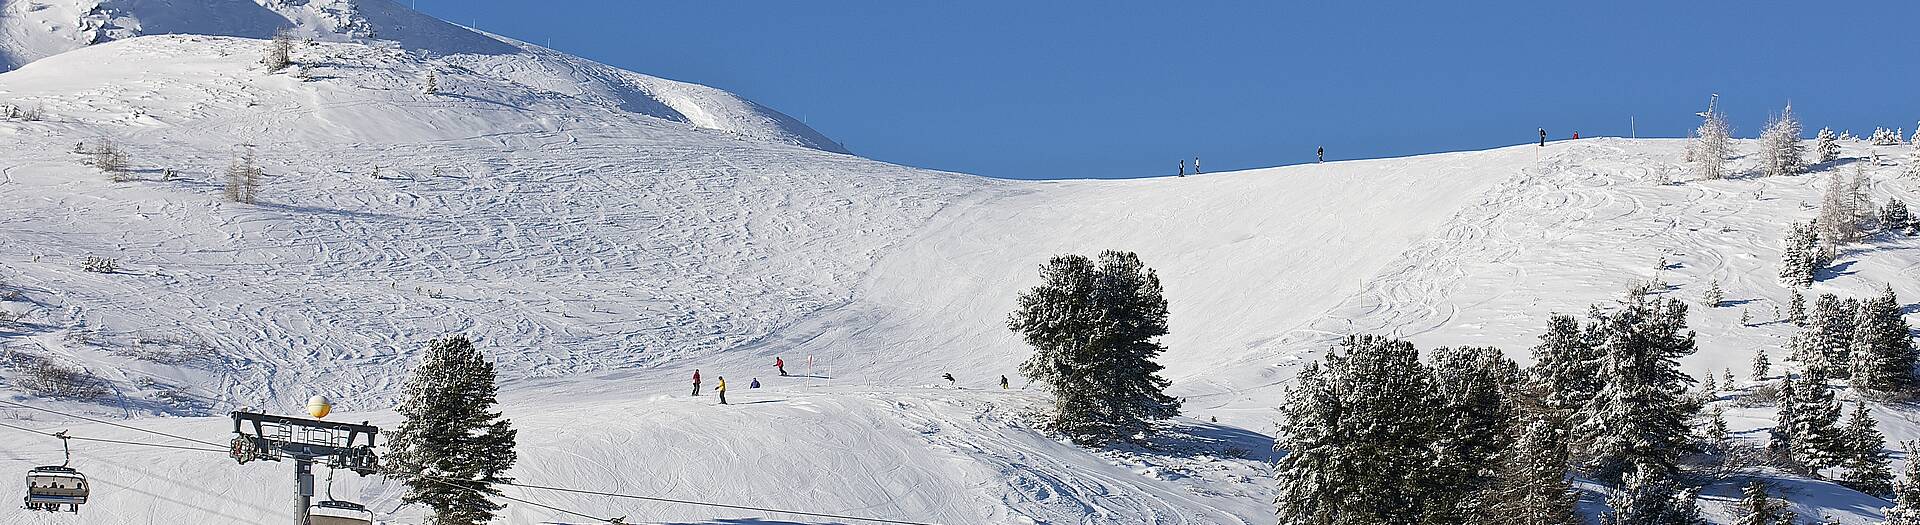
(31, 30)
(600, 255)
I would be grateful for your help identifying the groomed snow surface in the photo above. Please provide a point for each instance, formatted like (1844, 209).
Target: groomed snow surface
(601, 252)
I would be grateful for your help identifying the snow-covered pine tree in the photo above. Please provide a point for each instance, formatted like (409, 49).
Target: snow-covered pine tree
(1759, 508)
(1639, 419)
(432, 86)
(1471, 387)
(1714, 295)
(1760, 364)
(1803, 255)
(1714, 143)
(1710, 386)
(1864, 466)
(1884, 137)
(1797, 308)
(1727, 378)
(1828, 146)
(1894, 216)
(1566, 368)
(1652, 498)
(1356, 436)
(1094, 328)
(1716, 431)
(1826, 342)
(1531, 484)
(1881, 347)
(1781, 151)
(453, 447)
(1906, 493)
(1813, 430)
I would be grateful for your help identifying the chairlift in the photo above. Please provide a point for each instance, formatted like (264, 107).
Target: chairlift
(54, 488)
(335, 512)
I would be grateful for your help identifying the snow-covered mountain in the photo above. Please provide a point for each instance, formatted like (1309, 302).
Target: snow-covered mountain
(31, 30)
(603, 233)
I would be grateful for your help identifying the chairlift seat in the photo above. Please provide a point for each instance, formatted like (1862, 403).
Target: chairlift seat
(52, 487)
(333, 512)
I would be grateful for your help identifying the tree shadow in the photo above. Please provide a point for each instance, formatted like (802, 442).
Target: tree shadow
(1845, 268)
(1213, 439)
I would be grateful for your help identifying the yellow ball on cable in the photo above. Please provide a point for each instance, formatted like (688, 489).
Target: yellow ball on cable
(319, 407)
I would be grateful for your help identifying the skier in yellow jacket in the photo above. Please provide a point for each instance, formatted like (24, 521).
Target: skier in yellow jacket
(721, 386)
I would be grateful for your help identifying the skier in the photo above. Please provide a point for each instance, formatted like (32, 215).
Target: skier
(1183, 167)
(950, 381)
(1196, 165)
(696, 381)
(1003, 382)
(755, 383)
(1543, 137)
(1321, 154)
(781, 365)
(1576, 135)
(720, 385)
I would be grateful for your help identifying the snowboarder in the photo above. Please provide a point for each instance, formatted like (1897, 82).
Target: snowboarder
(781, 365)
(1183, 167)
(1003, 382)
(949, 378)
(720, 385)
(1576, 135)
(696, 381)
(754, 384)
(1543, 137)
(1321, 154)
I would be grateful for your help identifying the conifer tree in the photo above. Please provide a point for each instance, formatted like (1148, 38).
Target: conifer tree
(1717, 431)
(1881, 346)
(1566, 366)
(1828, 146)
(1809, 422)
(1639, 419)
(1804, 255)
(1727, 378)
(453, 448)
(1826, 342)
(1865, 462)
(1759, 508)
(1471, 388)
(1652, 498)
(1356, 436)
(1714, 295)
(1906, 494)
(1710, 386)
(1781, 149)
(1797, 308)
(1094, 329)
(1760, 364)
(1531, 486)
(1894, 216)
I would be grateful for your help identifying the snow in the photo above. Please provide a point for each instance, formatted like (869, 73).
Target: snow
(601, 233)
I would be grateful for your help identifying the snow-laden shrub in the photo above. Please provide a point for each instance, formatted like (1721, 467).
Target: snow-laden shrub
(44, 378)
(1886, 137)
(99, 264)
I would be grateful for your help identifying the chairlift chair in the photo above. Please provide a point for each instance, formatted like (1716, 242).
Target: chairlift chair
(52, 487)
(334, 512)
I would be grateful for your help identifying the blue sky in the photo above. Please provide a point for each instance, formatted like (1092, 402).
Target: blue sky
(1071, 89)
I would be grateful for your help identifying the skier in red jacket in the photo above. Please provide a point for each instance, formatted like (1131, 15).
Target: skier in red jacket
(781, 365)
(696, 381)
